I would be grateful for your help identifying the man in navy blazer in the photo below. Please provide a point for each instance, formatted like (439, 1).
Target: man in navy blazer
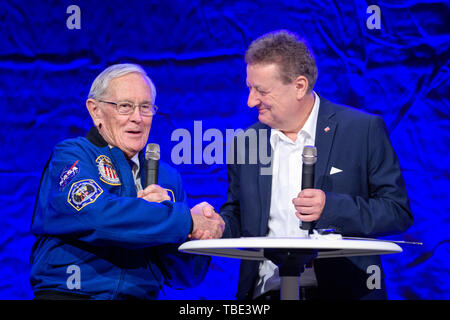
(358, 189)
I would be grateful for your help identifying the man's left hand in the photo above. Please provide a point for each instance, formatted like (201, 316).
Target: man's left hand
(309, 204)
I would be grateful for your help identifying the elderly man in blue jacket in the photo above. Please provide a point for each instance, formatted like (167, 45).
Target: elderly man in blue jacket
(100, 232)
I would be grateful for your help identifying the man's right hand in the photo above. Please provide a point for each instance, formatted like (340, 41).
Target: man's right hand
(207, 223)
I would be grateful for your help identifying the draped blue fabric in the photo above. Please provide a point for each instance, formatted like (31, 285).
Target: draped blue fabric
(193, 50)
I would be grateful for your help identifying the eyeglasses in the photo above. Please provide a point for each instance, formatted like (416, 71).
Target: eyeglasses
(146, 109)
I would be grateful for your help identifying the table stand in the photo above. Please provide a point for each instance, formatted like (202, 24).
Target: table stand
(291, 254)
(291, 264)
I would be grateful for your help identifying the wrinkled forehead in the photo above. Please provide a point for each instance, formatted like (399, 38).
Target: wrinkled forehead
(131, 86)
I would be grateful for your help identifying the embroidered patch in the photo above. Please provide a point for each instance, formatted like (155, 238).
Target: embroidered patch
(107, 172)
(83, 192)
(67, 175)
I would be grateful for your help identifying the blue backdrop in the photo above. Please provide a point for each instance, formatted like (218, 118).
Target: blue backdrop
(193, 50)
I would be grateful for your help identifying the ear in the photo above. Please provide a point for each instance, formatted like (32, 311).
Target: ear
(94, 111)
(301, 86)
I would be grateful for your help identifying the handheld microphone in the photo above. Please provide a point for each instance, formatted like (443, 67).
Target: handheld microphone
(309, 158)
(152, 155)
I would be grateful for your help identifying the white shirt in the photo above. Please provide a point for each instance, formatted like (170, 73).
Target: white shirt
(135, 171)
(286, 185)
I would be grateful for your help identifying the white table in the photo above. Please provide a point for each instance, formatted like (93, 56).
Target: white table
(288, 253)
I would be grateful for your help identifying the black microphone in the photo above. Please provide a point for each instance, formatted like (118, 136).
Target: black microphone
(152, 155)
(309, 158)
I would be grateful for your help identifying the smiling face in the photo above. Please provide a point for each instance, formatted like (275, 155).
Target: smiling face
(127, 132)
(281, 106)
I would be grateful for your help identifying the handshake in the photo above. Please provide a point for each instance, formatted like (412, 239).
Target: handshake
(207, 224)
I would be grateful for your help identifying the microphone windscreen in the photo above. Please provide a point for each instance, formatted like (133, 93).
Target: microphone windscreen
(309, 155)
(152, 152)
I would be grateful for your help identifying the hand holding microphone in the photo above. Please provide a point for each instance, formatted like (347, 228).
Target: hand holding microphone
(152, 156)
(152, 192)
(207, 224)
(310, 202)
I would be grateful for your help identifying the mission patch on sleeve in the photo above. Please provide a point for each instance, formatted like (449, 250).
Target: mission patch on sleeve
(83, 192)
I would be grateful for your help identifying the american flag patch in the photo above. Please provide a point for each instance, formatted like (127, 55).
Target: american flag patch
(106, 170)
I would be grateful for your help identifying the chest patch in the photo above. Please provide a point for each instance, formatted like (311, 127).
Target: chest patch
(106, 170)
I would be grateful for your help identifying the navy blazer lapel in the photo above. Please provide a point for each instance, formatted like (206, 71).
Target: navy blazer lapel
(264, 177)
(325, 131)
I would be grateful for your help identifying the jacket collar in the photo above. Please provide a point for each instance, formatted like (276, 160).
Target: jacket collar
(325, 131)
(96, 138)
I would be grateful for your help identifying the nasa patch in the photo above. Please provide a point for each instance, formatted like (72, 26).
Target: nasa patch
(67, 175)
(106, 170)
(83, 192)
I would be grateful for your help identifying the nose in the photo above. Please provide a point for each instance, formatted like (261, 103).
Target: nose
(252, 100)
(136, 115)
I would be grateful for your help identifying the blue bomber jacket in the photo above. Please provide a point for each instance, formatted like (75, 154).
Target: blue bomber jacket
(96, 238)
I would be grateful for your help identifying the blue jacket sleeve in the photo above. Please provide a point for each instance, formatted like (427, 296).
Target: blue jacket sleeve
(181, 270)
(106, 217)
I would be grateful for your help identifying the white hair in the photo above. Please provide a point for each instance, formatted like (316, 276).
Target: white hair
(101, 83)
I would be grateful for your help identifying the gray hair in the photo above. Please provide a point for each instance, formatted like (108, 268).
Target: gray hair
(101, 83)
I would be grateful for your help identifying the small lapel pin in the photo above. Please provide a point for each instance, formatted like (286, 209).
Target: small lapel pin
(326, 129)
